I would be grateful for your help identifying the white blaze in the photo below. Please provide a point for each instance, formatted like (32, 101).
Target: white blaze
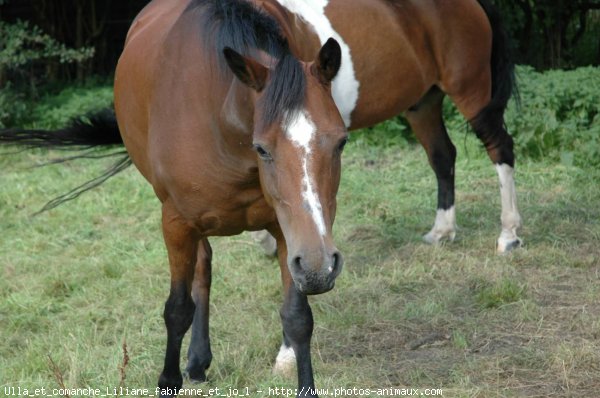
(345, 85)
(301, 131)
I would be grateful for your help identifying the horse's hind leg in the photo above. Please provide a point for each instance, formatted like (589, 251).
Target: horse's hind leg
(425, 118)
(182, 246)
(489, 127)
(487, 119)
(199, 353)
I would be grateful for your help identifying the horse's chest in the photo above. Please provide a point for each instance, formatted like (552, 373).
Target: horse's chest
(219, 222)
(224, 211)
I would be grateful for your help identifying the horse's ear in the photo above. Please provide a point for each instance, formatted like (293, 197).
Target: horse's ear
(249, 71)
(329, 60)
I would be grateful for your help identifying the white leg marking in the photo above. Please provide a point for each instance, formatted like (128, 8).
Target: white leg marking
(443, 228)
(511, 219)
(345, 85)
(285, 362)
(301, 132)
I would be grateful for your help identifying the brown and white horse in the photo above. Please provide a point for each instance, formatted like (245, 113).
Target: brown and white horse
(236, 111)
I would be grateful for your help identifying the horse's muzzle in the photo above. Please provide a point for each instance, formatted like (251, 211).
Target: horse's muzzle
(315, 274)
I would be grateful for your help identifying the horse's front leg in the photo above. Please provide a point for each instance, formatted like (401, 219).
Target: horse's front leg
(199, 353)
(182, 246)
(297, 321)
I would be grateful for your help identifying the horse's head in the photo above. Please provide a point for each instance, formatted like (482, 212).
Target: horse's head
(299, 136)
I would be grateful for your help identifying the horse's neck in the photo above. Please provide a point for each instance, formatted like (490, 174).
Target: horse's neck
(302, 39)
(236, 118)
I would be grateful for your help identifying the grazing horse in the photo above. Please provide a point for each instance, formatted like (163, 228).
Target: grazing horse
(237, 111)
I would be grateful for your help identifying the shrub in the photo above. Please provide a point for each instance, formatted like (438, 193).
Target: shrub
(560, 115)
(24, 44)
(26, 56)
(54, 111)
(13, 107)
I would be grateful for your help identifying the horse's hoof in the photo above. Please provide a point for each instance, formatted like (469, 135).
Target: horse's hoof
(168, 393)
(435, 238)
(195, 377)
(505, 246)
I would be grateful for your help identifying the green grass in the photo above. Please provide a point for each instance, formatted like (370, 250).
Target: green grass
(78, 281)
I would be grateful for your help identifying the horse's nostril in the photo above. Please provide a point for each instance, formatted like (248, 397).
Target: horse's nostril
(336, 263)
(297, 264)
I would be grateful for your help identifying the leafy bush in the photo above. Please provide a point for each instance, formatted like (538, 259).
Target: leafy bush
(13, 107)
(26, 56)
(52, 111)
(559, 116)
(392, 132)
(23, 44)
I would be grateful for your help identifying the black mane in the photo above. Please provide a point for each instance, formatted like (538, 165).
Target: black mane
(241, 26)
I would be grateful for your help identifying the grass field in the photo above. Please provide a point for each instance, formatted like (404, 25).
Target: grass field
(78, 281)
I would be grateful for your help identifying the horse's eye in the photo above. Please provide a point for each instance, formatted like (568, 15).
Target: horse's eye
(262, 152)
(342, 144)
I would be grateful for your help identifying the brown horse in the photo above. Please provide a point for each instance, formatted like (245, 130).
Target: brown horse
(262, 151)
(226, 155)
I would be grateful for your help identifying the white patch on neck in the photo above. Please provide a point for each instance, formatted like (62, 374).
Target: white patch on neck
(301, 131)
(345, 85)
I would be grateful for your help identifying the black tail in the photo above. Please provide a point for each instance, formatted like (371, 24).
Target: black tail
(504, 83)
(489, 122)
(86, 133)
(95, 130)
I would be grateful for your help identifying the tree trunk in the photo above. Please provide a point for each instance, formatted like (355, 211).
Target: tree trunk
(79, 40)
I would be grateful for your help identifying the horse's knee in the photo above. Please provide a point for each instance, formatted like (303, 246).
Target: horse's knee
(443, 159)
(489, 128)
(500, 148)
(297, 321)
(179, 311)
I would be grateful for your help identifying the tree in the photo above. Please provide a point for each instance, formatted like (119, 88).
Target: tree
(26, 52)
(79, 24)
(547, 32)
